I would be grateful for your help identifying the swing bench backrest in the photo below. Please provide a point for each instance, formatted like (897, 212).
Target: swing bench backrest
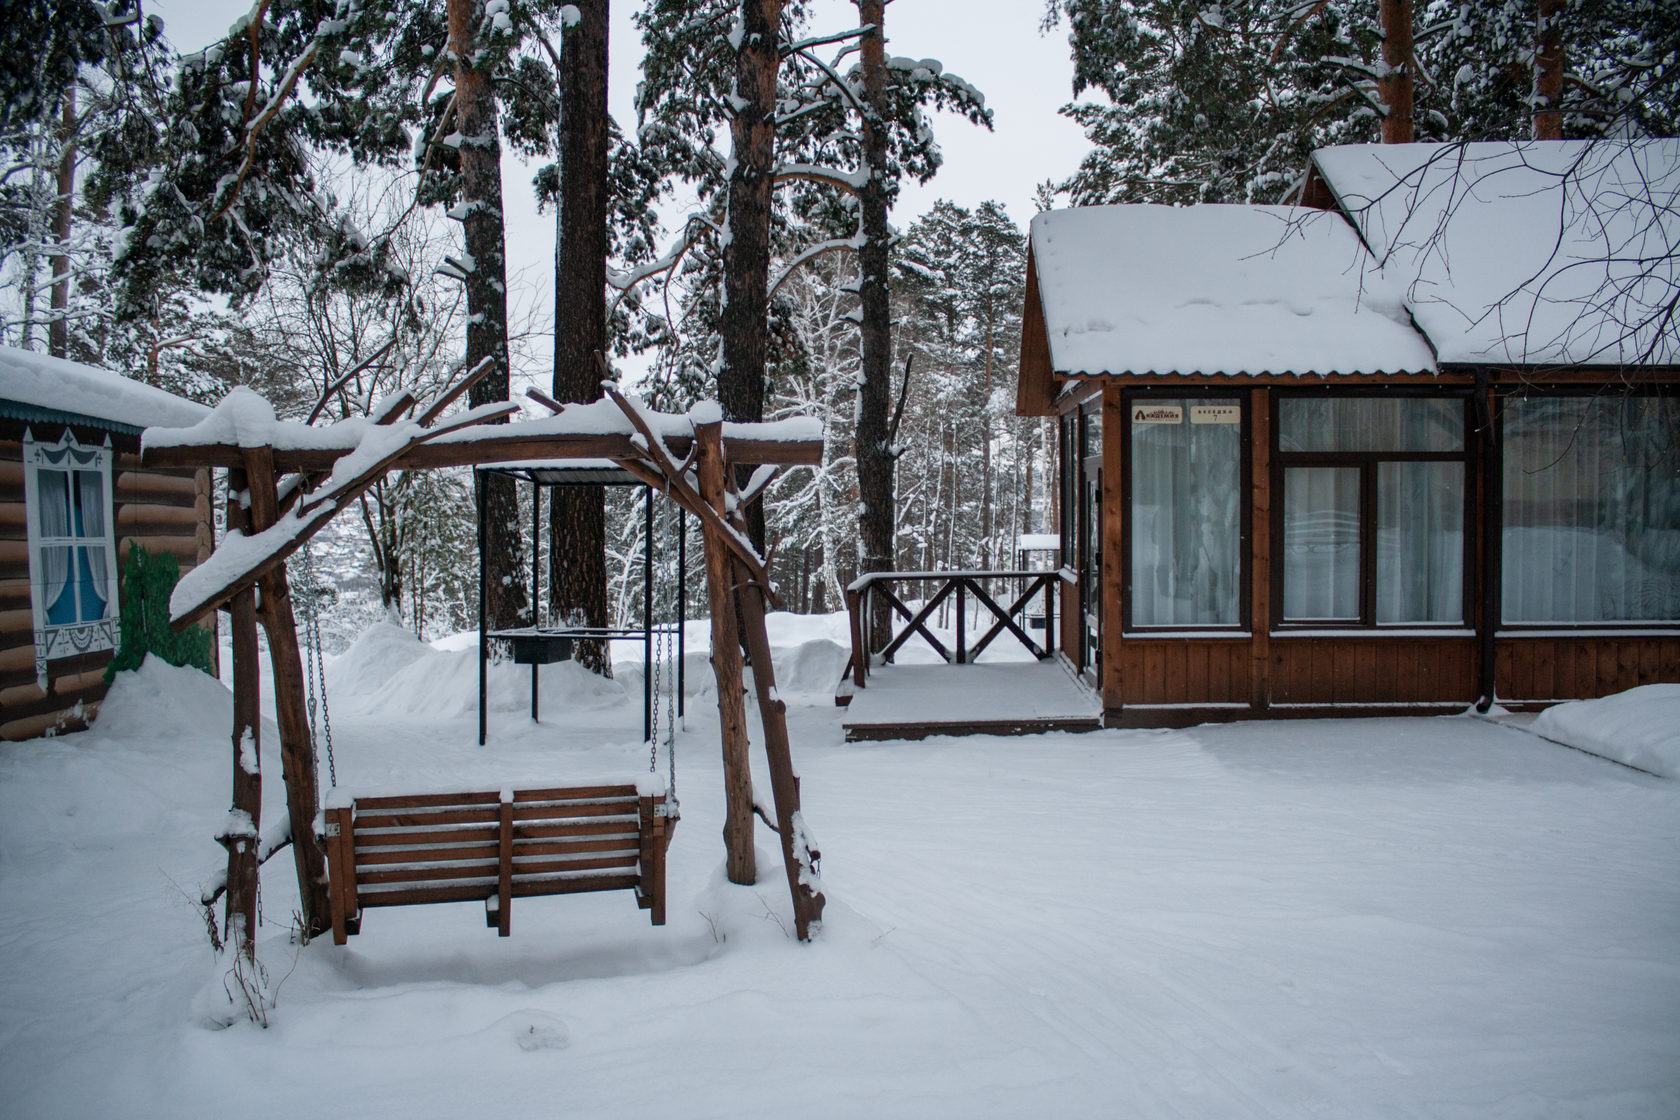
(494, 847)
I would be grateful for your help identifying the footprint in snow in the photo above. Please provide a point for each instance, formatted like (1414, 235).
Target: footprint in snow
(536, 1030)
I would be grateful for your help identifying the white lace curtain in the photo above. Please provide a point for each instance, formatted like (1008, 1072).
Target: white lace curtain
(90, 488)
(53, 494)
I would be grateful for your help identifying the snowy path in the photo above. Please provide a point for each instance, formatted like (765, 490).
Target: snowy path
(1423, 918)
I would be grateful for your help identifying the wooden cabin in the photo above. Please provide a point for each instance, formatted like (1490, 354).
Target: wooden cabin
(1416, 451)
(72, 497)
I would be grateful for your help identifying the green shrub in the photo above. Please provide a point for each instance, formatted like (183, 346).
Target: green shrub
(147, 582)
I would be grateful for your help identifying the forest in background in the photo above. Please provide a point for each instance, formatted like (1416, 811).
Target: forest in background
(305, 207)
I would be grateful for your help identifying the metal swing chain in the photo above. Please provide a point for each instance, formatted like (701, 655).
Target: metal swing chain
(315, 660)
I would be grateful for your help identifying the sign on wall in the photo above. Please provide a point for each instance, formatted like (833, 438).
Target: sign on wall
(1157, 414)
(1224, 413)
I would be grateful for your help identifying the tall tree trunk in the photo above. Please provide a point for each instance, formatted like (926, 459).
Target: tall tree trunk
(577, 566)
(1394, 88)
(486, 284)
(58, 333)
(746, 255)
(34, 234)
(874, 455)
(1548, 70)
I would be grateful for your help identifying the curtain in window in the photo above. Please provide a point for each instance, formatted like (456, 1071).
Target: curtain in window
(1186, 522)
(1370, 424)
(1321, 543)
(1420, 542)
(1591, 509)
(90, 488)
(53, 514)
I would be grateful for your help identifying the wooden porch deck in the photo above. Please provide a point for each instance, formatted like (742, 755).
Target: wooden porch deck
(990, 698)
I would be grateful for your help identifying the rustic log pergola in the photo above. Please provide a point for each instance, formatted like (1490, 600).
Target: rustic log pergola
(286, 481)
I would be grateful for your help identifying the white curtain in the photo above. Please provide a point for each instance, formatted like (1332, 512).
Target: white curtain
(1420, 542)
(52, 490)
(1186, 547)
(91, 493)
(1374, 424)
(1321, 543)
(1591, 510)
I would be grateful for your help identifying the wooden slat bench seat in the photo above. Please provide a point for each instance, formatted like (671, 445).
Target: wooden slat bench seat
(495, 847)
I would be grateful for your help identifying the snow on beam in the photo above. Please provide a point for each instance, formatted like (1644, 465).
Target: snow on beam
(583, 431)
(240, 561)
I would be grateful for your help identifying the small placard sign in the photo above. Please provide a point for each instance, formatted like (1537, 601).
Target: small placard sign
(1216, 414)
(1157, 414)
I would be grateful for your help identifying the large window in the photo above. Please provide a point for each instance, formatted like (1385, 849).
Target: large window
(72, 568)
(1591, 509)
(1372, 513)
(1186, 512)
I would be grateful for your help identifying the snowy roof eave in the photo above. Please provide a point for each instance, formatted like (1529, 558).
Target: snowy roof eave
(41, 387)
(1517, 254)
(1239, 291)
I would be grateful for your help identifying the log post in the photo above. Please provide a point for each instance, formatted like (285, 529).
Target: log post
(241, 839)
(291, 713)
(799, 854)
(745, 599)
(742, 865)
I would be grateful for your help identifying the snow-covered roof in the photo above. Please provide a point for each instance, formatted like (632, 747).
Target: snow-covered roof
(1216, 290)
(66, 391)
(1543, 252)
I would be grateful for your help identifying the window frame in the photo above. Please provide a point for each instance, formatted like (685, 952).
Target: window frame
(1199, 394)
(56, 641)
(1496, 563)
(1368, 464)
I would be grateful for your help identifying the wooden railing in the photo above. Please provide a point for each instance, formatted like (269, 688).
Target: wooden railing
(937, 588)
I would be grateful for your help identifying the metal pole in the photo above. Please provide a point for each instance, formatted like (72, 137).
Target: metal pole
(647, 619)
(483, 640)
(536, 567)
(682, 598)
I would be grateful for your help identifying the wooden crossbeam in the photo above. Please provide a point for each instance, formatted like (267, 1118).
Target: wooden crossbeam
(916, 622)
(674, 480)
(304, 523)
(507, 443)
(1005, 619)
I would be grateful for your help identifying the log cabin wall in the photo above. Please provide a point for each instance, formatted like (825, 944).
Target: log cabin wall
(165, 511)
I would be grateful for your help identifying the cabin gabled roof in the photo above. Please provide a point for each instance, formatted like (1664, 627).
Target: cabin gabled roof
(1233, 290)
(36, 387)
(1544, 253)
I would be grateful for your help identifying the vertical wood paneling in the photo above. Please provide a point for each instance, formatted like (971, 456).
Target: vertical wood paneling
(1542, 669)
(1113, 542)
(1260, 547)
(1219, 659)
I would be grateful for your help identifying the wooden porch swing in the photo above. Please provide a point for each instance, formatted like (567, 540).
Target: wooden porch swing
(284, 486)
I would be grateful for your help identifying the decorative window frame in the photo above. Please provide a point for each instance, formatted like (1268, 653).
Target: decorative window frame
(68, 639)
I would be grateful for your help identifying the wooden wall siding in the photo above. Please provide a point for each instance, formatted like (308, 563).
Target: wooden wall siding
(1372, 671)
(1114, 483)
(1067, 607)
(1184, 671)
(1541, 670)
(166, 511)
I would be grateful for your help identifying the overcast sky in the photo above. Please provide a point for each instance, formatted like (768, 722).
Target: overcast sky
(994, 44)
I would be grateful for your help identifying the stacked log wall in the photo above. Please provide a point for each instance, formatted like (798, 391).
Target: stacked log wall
(165, 511)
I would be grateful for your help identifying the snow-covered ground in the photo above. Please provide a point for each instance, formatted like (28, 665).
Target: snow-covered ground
(1639, 727)
(1377, 918)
